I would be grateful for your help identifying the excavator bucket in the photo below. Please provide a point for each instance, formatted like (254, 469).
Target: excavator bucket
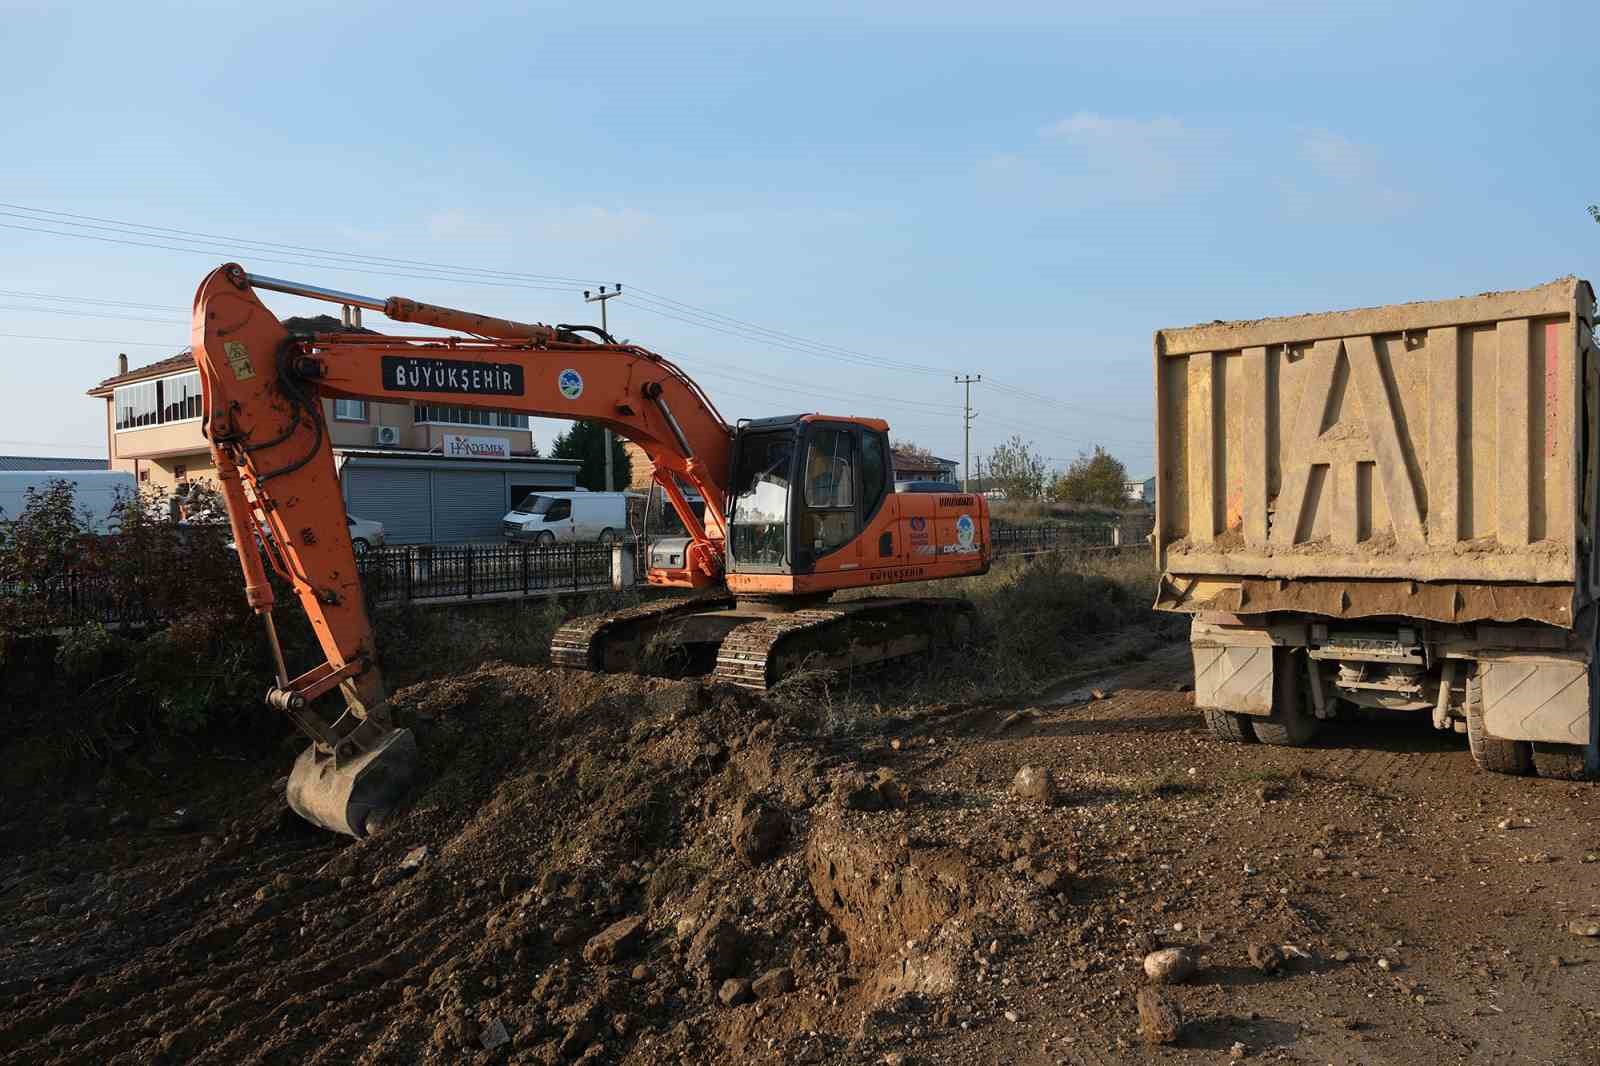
(353, 795)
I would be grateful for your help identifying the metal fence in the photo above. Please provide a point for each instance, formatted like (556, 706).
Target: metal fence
(1035, 539)
(415, 572)
(76, 597)
(452, 573)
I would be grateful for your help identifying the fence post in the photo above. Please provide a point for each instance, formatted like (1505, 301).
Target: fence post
(469, 571)
(411, 566)
(1116, 535)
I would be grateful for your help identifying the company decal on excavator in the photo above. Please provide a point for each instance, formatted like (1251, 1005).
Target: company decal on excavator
(239, 360)
(920, 544)
(897, 573)
(410, 373)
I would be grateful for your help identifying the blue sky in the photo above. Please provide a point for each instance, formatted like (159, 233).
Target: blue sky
(1025, 192)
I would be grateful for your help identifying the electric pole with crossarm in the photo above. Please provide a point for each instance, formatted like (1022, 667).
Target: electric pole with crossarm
(602, 298)
(967, 417)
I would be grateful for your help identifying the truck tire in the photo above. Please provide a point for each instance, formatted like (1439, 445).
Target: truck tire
(1291, 724)
(1492, 753)
(1564, 762)
(1225, 725)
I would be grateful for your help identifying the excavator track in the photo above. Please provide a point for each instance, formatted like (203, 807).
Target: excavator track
(614, 642)
(759, 654)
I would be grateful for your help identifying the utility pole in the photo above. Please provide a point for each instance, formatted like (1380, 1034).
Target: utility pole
(967, 417)
(602, 298)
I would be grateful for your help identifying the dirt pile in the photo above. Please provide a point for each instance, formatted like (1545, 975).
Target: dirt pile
(593, 869)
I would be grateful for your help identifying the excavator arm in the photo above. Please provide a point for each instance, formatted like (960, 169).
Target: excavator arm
(263, 387)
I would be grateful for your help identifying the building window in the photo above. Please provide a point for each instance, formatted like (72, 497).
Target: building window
(445, 415)
(158, 402)
(350, 410)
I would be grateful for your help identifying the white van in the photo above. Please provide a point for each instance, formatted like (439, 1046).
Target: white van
(547, 517)
(95, 493)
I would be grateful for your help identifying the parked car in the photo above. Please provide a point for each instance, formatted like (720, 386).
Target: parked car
(547, 517)
(364, 533)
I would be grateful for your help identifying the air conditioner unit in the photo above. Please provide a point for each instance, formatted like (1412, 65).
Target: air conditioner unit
(386, 436)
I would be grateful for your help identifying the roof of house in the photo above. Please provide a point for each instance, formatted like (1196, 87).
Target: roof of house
(170, 365)
(173, 364)
(50, 462)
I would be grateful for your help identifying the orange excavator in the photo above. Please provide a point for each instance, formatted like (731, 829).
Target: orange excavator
(795, 509)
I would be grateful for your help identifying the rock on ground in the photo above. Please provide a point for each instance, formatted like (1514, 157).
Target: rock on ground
(734, 991)
(1169, 965)
(759, 830)
(615, 941)
(773, 983)
(1268, 958)
(1160, 1019)
(1034, 783)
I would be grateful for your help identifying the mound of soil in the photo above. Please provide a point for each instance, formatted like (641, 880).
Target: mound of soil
(592, 868)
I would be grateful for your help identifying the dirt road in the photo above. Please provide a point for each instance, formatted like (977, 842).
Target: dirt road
(609, 862)
(1379, 843)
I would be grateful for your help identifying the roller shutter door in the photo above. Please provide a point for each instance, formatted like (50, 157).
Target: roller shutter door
(397, 498)
(467, 505)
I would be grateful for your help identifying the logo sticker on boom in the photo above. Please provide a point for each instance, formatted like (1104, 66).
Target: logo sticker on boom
(239, 359)
(570, 382)
(965, 530)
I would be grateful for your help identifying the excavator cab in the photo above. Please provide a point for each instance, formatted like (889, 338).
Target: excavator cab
(804, 488)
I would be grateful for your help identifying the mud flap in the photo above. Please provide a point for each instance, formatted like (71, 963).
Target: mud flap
(343, 796)
(1233, 668)
(1528, 698)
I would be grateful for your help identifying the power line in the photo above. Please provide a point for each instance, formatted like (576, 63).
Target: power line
(229, 252)
(50, 444)
(94, 340)
(550, 278)
(89, 314)
(324, 258)
(677, 310)
(546, 282)
(88, 300)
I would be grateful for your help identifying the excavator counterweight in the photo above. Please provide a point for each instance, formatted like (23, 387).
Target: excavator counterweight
(780, 514)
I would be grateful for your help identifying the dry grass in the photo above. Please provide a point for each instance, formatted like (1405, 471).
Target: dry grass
(1037, 616)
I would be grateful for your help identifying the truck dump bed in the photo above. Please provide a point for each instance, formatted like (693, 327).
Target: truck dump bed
(1427, 459)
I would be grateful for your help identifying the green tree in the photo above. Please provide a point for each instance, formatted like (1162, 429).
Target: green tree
(586, 442)
(1017, 468)
(911, 449)
(46, 540)
(1097, 478)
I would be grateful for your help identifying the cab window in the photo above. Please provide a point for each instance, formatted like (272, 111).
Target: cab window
(761, 506)
(874, 473)
(558, 511)
(830, 490)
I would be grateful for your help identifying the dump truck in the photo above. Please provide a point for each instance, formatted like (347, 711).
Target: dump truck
(1390, 509)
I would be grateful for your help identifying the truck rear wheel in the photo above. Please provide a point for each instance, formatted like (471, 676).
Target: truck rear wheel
(1290, 725)
(1225, 725)
(1492, 753)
